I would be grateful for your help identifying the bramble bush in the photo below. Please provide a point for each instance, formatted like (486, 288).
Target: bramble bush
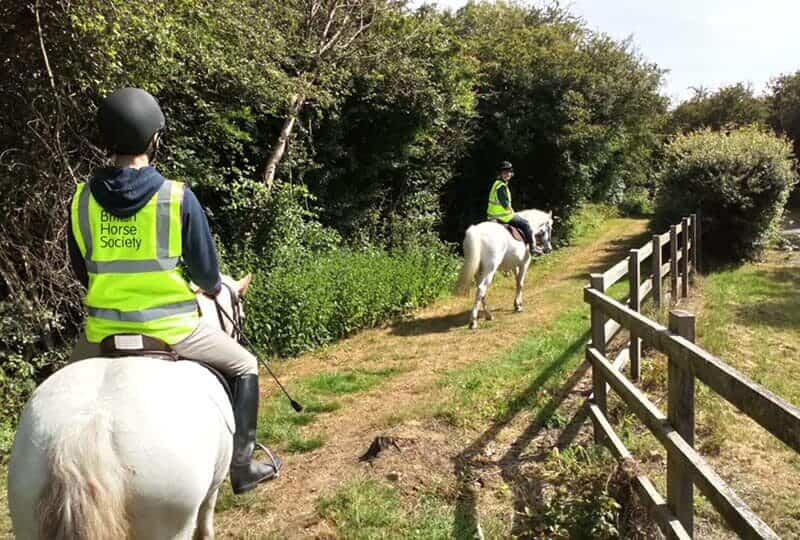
(299, 306)
(739, 180)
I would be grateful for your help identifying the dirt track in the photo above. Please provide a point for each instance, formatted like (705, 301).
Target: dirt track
(424, 347)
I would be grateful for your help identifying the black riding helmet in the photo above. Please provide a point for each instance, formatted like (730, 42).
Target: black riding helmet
(128, 119)
(505, 166)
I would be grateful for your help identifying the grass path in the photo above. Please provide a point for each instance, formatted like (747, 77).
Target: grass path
(450, 392)
(485, 420)
(468, 408)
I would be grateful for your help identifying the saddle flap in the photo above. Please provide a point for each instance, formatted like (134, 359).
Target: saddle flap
(516, 234)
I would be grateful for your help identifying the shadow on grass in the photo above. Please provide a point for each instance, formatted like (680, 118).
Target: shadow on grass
(772, 299)
(431, 325)
(527, 491)
(468, 463)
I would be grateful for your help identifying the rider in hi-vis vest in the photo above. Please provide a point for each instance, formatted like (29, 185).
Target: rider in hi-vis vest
(135, 283)
(500, 208)
(132, 235)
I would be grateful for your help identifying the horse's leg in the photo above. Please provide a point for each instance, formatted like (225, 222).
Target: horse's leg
(205, 518)
(486, 310)
(473, 315)
(480, 296)
(521, 271)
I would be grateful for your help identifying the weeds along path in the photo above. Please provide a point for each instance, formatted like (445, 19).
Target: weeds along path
(420, 379)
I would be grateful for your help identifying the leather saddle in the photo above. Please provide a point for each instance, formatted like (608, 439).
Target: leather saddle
(515, 233)
(119, 345)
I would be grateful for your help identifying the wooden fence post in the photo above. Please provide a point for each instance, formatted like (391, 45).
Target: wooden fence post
(673, 263)
(658, 293)
(694, 244)
(634, 278)
(685, 258)
(680, 412)
(698, 237)
(600, 388)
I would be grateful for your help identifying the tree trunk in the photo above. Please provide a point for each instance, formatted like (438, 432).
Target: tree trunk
(288, 125)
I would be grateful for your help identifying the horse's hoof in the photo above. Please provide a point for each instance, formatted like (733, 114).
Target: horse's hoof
(473, 325)
(518, 309)
(489, 316)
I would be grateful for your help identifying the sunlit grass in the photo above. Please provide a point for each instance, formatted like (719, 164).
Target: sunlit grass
(5, 519)
(348, 382)
(281, 426)
(367, 508)
(523, 378)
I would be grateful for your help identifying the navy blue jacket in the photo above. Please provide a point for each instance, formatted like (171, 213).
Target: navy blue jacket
(123, 192)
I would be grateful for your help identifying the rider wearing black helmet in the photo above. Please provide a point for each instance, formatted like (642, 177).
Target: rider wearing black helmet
(134, 233)
(130, 122)
(500, 208)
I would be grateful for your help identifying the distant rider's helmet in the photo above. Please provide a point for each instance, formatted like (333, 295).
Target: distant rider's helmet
(505, 166)
(128, 119)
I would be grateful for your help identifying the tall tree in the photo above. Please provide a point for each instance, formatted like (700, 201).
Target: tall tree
(385, 153)
(576, 112)
(785, 108)
(326, 37)
(730, 106)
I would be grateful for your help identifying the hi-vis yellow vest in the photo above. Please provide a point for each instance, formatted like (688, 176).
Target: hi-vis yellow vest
(496, 210)
(135, 283)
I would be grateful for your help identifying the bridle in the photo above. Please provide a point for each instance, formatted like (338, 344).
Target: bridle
(545, 231)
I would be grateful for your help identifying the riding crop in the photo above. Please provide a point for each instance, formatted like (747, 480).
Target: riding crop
(295, 405)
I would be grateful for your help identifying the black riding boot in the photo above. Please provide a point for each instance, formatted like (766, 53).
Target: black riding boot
(246, 473)
(530, 239)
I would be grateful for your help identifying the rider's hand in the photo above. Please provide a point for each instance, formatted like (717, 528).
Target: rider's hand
(211, 295)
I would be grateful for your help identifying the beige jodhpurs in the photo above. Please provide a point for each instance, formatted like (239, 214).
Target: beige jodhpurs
(207, 344)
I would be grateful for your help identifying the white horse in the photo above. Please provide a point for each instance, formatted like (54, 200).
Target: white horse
(115, 448)
(488, 247)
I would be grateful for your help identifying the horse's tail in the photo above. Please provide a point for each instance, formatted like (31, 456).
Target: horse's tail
(472, 260)
(84, 498)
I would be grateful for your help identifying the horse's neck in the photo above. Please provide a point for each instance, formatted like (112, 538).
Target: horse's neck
(536, 218)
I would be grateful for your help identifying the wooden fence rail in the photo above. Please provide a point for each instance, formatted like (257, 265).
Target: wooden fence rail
(686, 361)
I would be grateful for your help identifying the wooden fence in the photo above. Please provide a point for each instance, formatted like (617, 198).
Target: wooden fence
(686, 361)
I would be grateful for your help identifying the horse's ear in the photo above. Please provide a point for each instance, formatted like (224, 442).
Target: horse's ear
(243, 283)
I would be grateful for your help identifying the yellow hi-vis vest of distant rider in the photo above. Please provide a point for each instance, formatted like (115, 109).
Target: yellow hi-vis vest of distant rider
(496, 210)
(135, 283)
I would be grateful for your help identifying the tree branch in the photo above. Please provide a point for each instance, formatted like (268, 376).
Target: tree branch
(60, 111)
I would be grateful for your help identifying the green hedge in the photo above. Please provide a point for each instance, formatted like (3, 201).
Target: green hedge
(739, 180)
(26, 358)
(300, 306)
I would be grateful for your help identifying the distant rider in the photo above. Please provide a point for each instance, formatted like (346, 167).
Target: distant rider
(132, 234)
(500, 206)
